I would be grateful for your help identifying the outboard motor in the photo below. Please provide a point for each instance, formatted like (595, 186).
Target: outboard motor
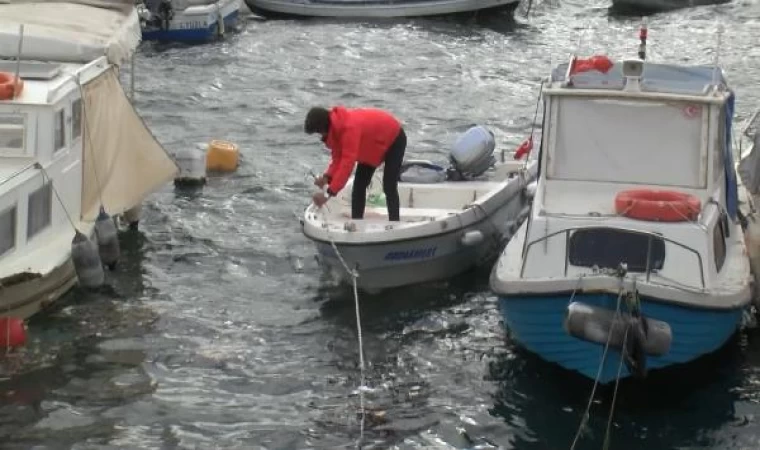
(472, 154)
(470, 157)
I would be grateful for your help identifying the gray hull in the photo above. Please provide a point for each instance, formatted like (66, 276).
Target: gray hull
(430, 258)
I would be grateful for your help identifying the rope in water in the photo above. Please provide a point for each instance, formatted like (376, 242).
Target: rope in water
(585, 417)
(354, 275)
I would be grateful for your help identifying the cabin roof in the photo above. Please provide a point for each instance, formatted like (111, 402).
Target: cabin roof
(656, 78)
(40, 80)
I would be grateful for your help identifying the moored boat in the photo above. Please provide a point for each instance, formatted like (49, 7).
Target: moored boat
(363, 9)
(73, 151)
(634, 255)
(449, 223)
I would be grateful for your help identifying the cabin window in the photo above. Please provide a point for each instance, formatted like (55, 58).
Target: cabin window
(607, 248)
(40, 210)
(7, 230)
(60, 129)
(719, 245)
(12, 134)
(634, 141)
(76, 119)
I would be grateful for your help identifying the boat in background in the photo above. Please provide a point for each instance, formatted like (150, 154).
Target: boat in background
(449, 223)
(189, 21)
(376, 8)
(638, 7)
(624, 264)
(74, 153)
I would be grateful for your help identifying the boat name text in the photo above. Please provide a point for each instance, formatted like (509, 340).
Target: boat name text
(419, 253)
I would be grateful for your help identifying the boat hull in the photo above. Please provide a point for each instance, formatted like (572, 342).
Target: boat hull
(429, 258)
(654, 6)
(24, 295)
(195, 28)
(536, 323)
(284, 8)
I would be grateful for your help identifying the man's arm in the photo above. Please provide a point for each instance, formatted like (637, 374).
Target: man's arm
(345, 164)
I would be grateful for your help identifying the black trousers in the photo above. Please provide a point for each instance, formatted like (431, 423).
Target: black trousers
(393, 159)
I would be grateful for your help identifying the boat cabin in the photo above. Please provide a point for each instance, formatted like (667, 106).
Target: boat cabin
(40, 147)
(644, 127)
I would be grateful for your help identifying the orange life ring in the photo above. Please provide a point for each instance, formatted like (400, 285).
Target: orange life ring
(661, 206)
(7, 86)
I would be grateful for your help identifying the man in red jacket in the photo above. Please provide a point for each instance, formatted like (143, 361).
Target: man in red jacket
(366, 136)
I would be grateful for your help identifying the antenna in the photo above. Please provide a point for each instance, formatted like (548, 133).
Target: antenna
(719, 41)
(643, 33)
(18, 60)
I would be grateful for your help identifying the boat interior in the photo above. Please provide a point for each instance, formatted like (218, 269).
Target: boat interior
(423, 202)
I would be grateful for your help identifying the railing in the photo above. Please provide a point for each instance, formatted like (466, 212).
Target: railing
(18, 172)
(650, 235)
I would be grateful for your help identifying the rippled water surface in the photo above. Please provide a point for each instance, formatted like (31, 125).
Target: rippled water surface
(218, 332)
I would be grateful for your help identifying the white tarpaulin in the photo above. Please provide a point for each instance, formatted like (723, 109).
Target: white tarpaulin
(123, 162)
(77, 31)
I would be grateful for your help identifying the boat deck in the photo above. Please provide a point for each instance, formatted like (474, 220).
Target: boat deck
(40, 79)
(13, 167)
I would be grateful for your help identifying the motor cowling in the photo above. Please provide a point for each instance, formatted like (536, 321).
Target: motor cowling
(472, 154)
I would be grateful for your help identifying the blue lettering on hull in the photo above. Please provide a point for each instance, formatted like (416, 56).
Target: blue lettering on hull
(420, 253)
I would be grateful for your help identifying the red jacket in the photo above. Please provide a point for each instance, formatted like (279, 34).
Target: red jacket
(357, 135)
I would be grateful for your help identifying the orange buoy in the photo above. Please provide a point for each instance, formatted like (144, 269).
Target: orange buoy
(658, 206)
(10, 86)
(222, 156)
(12, 332)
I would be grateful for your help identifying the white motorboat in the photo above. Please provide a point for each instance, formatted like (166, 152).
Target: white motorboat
(71, 144)
(446, 226)
(375, 8)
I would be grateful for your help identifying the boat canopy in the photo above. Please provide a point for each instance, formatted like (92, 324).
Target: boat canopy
(74, 31)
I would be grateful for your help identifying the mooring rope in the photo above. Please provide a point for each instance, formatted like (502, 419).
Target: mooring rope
(354, 273)
(623, 352)
(585, 416)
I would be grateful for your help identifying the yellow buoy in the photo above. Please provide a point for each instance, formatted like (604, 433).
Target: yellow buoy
(222, 156)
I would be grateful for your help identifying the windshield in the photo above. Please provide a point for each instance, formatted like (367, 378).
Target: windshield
(628, 141)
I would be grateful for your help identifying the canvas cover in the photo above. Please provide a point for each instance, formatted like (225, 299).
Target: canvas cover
(732, 188)
(123, 162)
(76, 31)
(655, 78)
(671, 78)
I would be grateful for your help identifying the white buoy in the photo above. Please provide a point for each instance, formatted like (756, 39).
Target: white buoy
(108, 239)
(192, 168)
(87, 263)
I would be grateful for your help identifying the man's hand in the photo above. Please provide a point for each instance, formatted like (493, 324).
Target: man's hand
(319, 199)
(320, 181)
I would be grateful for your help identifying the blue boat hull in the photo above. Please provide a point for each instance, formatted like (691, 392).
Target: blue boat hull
(192, 35)
(536, 323)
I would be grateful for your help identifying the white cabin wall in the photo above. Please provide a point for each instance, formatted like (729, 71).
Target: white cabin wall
(717, 174)
(63, 166)
(547, 258)
(9, 200)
